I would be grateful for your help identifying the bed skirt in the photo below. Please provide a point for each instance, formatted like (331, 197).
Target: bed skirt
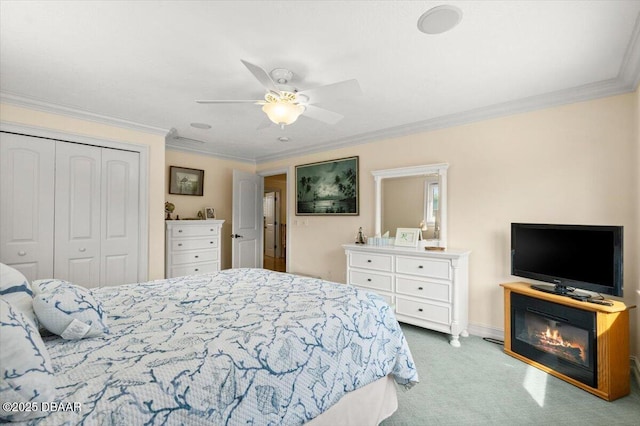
(367, 406)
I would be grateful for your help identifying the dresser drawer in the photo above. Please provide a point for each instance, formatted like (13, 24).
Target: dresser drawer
(427, 289)
(203, 243)
(434, 268)
(195, 256)
(423, 310)
(371, 280)
(379, 262)
(201, 268)
(193, 231)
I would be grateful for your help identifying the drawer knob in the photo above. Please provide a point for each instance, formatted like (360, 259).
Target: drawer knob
(420, 288)
(369, 279)
(211, 230)
(22, 253)
(196, 269)
(180, 245)
(210, 242)
(419, 309)
(82, 250)
(369, 260)
(179, 230)
(420, 266)
(197, 257)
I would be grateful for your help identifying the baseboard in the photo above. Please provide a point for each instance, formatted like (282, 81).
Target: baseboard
(486, 331)
(635, 368)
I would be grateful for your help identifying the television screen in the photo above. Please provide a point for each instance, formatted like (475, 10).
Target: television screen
(579, 256)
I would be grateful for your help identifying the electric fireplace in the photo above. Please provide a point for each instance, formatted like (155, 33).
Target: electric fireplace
(557, 336)
(582, 343)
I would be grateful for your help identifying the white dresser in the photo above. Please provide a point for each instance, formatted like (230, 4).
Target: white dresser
(426, 288)
(192, 247)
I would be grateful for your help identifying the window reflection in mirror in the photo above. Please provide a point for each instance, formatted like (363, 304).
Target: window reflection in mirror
(411, 202)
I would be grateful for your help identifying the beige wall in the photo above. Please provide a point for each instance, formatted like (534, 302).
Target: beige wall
(73, 126)
(569, 164)
(217, 191)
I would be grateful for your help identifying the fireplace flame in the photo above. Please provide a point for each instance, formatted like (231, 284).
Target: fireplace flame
(553, 338)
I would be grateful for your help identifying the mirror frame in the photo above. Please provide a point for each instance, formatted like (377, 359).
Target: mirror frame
(430, 169)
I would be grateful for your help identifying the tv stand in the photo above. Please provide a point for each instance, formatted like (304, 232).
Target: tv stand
(612, 330)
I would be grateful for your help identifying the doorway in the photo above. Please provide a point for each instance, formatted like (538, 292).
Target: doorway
(275, 222)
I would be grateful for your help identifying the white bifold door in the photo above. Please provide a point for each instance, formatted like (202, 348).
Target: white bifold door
(79, 204)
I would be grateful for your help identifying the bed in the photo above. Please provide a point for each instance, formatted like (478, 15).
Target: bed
(241, 346)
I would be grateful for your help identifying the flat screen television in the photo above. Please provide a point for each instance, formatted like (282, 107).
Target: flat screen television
(587, 257)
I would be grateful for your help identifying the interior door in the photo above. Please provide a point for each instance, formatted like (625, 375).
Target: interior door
(119, 222)
(26, 204)
(77, 210)
(246, 226)
(269, 207)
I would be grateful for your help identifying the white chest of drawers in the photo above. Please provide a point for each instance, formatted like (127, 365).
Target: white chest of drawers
(192, 247)
(426, 288)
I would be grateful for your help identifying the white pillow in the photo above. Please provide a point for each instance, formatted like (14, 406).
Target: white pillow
(47, 285)
(15, 289)
(70, 311)
(26, 373)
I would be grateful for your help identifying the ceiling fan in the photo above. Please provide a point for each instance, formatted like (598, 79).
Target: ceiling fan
(283, 104)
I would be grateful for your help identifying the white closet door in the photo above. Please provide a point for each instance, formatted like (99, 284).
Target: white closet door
(77, 209)
(27, 204)
(120, 199)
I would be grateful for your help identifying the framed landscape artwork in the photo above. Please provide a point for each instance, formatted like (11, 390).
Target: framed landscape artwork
(328, 188)
(185, 181)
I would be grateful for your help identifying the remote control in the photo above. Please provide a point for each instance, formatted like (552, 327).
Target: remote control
(600, 302)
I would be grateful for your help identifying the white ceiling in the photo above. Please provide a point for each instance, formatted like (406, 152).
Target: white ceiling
(144, 63)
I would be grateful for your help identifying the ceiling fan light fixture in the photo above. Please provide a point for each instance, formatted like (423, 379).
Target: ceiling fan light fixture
(282, 112)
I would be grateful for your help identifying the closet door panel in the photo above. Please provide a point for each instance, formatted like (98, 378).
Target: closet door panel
(77, 209)
(120, 227)
(27, 204)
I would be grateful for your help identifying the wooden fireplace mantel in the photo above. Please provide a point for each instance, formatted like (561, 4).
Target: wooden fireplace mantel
(612, 328)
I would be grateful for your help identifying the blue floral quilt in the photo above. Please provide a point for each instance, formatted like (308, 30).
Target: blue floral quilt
(238, 347)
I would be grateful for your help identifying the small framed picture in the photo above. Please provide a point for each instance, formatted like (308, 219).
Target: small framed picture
(209, 213)
(407, 237)
(184, 181)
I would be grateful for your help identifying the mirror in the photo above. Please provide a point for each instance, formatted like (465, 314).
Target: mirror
(413, 197)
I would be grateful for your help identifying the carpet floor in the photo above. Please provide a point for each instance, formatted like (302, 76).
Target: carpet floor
(478, 384)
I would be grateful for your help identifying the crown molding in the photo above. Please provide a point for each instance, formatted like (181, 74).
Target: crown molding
(21, 101)
(171, 146)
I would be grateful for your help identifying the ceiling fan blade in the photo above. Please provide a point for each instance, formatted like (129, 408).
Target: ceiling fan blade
(229, 101)
(262, 77)
(321, 114)
(342, 89)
